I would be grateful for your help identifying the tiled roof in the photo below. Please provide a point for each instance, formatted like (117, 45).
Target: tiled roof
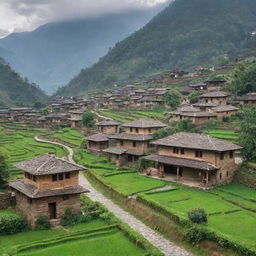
(250, 96)
(98, 137)
(47, 164)
(145, 123)
(182, 162)
(108, 123)
(134, 137)
(33, 192)
(224, 108)
(115, 150)
(205, 105)
(197, 141)
(217, 94)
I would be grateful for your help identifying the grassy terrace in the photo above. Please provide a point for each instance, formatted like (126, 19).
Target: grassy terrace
(96, 237)
(229, 135)
(130, 115)
(17, 142)
(231, 209)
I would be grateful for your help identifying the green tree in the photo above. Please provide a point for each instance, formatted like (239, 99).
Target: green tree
(194, 97)
(3, 169)
(244, 79)
(88, 119)
(173, 99)
(247, 137)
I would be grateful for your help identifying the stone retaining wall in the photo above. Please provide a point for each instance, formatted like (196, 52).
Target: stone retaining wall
(6, 200)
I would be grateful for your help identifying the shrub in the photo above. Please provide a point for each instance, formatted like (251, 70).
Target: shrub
(197, 216)
(89, 119)
(42, 222)
(11, 224)
(70, 218)
(225, 118)
(195, 235)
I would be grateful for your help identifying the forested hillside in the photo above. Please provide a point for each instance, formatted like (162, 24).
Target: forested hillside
(186, 34)
(16, 91)
(54, 53)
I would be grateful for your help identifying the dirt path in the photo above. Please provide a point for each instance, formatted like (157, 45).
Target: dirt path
(101, 116)
(167, 247)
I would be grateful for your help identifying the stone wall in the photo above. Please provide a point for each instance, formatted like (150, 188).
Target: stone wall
(6, 200)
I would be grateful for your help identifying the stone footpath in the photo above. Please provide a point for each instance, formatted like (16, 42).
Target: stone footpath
(167, 247)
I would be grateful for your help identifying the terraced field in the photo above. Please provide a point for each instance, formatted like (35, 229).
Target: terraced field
(130, 115)
(229, 135)
(17, 142)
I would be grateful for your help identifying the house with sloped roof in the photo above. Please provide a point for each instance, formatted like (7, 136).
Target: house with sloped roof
(108, 126)
(97, 143)
(224, 110)
(50, 186)
(217, 97)
(194, 159)
(249, 99)
(134, 142)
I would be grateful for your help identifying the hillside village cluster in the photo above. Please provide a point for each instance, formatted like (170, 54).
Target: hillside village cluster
(191, 159)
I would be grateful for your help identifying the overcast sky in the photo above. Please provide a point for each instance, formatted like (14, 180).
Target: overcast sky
(26, 15)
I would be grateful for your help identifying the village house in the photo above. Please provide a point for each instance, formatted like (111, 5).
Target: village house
(54, 120)
(249, 99)
(97, 143)
(194, 159)
(76, 117)
(49, 187)
(4, 115)
(217, 97)
(134, 142)
(108, 127)
(224, 110)
(192, 113)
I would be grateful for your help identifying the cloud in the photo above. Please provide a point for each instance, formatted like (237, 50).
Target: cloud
(23, 15)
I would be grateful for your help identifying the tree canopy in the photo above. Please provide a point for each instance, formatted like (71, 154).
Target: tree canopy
(3, 169)
(173, 99)
(88, 119)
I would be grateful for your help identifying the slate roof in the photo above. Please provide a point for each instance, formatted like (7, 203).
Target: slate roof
(133, 137)
(250, 96)
(183, 162)
(198, 114)
(47, 164)
(145, 123)
(217, 94)
(98, 137)
(135, 152)
(210, 105)
(33, 192)
(197, 141)
(224, 108)
(108, 123)
(115, 150)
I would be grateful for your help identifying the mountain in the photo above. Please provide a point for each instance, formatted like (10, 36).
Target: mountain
(16, 91)
(54, 53)
(186, 34)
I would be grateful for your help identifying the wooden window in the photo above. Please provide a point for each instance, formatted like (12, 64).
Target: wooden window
(227, 174)
(65, 197)
(231, 154)
(67, 175)
(34, 178)
(199, 154)
(54, 177)
(134, 144)
(222, 155)
(121, 142)
(130, 129)
(182, 151)
(61, 176)
(149, 130)
(220, 176)
(137, 130)
(175, 150)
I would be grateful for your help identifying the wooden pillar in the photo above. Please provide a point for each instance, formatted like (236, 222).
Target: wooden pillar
(207, 178)
(178, 173)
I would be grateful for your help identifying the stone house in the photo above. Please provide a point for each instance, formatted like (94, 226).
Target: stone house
(134, 142)
(4, 115)
(197, 116)
(195, 159)
(76, 117)
(224, 110)
(56, 120)
(108, 127)
(249, 99)
(97, 143)
(217, 97)
(49, 187)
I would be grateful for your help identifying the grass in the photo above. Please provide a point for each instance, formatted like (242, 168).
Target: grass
(225, 207)
(18, 144)
(111, 243)
(229, 135)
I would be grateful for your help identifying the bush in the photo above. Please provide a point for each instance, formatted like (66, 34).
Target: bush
(42, 222)
(225, 118)
(70, 218)
(195, 235)
(89, 119)
(197, 216)
(11, 224)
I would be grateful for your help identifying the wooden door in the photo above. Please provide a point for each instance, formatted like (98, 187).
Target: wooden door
(52, 210)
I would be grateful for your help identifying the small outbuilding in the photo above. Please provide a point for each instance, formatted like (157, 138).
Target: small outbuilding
(97, 142)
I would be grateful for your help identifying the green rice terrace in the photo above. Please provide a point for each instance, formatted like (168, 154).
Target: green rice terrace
(18, 144)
